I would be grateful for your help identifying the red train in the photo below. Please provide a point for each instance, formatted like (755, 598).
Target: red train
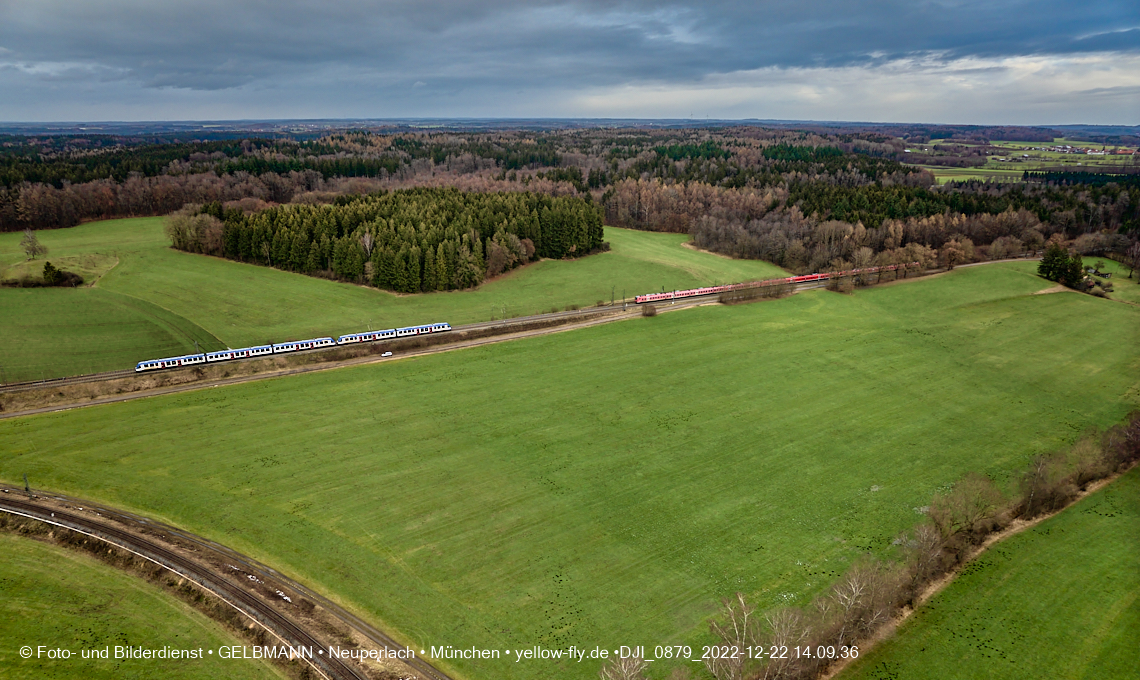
(806, 278)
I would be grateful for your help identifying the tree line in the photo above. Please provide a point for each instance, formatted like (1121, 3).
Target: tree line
(409, 241)
(1129, 177)
(118, 162)
(747, 192)
(873, 592)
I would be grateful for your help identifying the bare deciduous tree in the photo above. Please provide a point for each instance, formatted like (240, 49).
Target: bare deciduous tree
(1044, 487)
(31, 245)
(1133, 258)
(629, 668)
(195, 233)
(735, 630)
(786, 628)
(973, 499)
(923, 548)
(863, 258)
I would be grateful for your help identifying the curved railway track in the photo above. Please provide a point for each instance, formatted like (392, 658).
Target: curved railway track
(76, 516)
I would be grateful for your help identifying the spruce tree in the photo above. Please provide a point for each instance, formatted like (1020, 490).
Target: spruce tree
(1073, 272)
(313, 262)
(443, 269)
(430, 273)
(1054, 262)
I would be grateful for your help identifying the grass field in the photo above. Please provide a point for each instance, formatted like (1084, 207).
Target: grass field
(61, 599)
(1123, 288)
(49, 332)
(1022, 157)
(606, 486)
(156, 301)
(1061, 600)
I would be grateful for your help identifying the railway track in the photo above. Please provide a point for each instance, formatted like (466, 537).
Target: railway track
(125, 373)
(589, 318)
(60, 382)
(505, 323)
(107, 525)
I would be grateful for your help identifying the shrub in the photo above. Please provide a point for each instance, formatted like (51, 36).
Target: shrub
(871, 592)
(51, 274)
(740, 295)
(649, 310)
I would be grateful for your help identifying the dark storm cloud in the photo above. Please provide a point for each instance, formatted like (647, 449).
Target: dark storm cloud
(475, 52)
(207, 44)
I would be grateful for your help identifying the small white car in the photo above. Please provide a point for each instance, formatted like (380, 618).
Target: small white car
(386, 354)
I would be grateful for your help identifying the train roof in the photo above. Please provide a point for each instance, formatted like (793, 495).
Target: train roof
(184, 356)
(295, 342)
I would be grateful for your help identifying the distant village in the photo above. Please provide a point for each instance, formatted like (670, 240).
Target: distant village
(1065, 148)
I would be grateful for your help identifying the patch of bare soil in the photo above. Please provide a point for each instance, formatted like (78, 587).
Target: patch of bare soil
(691, 246)
(1055, 289)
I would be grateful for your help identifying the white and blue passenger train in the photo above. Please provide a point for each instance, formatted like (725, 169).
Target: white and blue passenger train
(281, 348)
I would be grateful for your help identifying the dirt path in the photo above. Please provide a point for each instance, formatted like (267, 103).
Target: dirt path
(691, 246)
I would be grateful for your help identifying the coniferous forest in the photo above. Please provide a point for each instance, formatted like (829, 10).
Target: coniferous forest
(408, 241)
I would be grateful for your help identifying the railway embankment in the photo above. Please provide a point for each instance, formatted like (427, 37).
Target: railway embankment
(259, 606)
(36, 397)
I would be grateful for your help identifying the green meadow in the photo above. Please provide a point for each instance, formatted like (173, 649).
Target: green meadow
(1023, 157)
(58, 598)
(607, 486)
(148, 300)
(1123, 288)
(1061, 600)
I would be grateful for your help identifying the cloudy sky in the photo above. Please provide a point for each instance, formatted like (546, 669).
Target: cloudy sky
(946, 61)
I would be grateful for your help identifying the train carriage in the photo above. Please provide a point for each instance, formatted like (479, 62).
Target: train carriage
(285, 347)
(806, 278)
(170, 362)
(299, 345)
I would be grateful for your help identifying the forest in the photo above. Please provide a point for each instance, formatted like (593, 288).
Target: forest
(408, 241)
(804, 199)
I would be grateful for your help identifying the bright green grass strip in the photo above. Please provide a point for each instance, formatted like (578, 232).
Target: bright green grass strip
(48, 332)
(61, 599)
(1123, 288)
(1061, 600)
(248, 304)
(245, 304)
(606, 486)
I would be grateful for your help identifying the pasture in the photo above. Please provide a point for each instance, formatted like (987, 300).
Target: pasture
(1123, 288)
(1061, 600)
(60, 598)
(1022, 156)
(607, 486)
(155, 301)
